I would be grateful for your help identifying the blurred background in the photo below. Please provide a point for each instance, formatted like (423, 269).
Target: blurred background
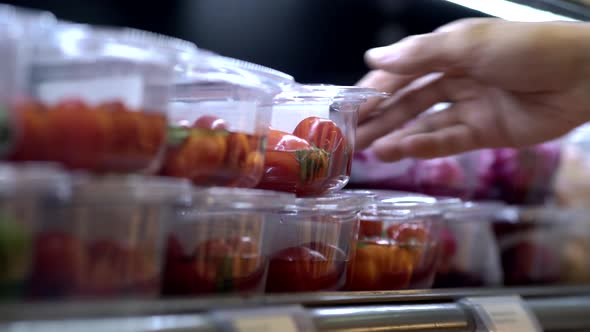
(316, 41)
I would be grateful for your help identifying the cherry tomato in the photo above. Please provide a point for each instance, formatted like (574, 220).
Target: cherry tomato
(321, 133)
(309, 267)
(281, 141)
(210, 122)
(379, 266)
(58, 265)
(79, 135)
(33, 132)
(413, 237)
(238, 148)
(408, 234)
(325, 134)
(197, 158)
(370, 228)
(292, 162)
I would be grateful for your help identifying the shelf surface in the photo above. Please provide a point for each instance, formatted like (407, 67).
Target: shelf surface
(557, 308)
(51, 310)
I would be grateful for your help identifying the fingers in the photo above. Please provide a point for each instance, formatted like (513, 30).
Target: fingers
(411, 101)
(434, 135)
(450, 49)
(381, 81)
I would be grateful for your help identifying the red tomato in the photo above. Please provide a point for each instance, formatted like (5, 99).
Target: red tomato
(59, 263)
(198, 158)
(321, 133)
(281, 141)
(370, 228)
(378, 266)
(292, 162)
(309, 267)
(408, 234)
(325, 134)
(210, 122)
(79, 137)
(33, 132)
(238, 147)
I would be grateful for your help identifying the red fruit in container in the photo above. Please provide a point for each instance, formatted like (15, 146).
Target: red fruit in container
(322, 134)
(196, 157)
(33, 130)
(79, 135)
(308, 267)
(59, 264)
(370, 228)
(408, 233)
(292, 164)
(379, 265)
(210, 122)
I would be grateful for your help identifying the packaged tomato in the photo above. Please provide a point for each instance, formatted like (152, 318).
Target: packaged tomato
(27, 193)
(311, 139)
(530, 240)
(19, 28)
(398, 245)
(219, 117)
(469, 251)
(310, 243)
(95, 101)
(217, 243)
(106, 242)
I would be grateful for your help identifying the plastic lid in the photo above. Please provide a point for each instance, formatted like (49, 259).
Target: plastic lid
(337, 202)
(33, 179)
(240, 199)
(207, 68)
(402, 206)
(82, 41)
(538, 215)
(124, 189)
(485, 210)
(29, 21)
(323, 92)
(445, 203)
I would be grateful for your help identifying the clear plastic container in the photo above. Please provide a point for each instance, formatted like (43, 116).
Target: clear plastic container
(469, 252)
(95, 101)
(397, 246)
(530, 242)
(27, 193)
(216, 244)
(446, 176)
(311, 142)
(310, 243)
(106, 242)
(219, 117)
(572, 183)
(575, 248)
(19, 27)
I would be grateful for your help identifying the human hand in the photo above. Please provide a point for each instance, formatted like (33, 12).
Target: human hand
(510, 85)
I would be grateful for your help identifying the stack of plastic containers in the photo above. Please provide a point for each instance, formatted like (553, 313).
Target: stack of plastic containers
(130, 160)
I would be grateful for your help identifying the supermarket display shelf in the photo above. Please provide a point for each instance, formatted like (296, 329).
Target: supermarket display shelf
(557, 308)
(566, 8)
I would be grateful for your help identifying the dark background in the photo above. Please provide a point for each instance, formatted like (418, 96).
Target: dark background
(317, 41)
